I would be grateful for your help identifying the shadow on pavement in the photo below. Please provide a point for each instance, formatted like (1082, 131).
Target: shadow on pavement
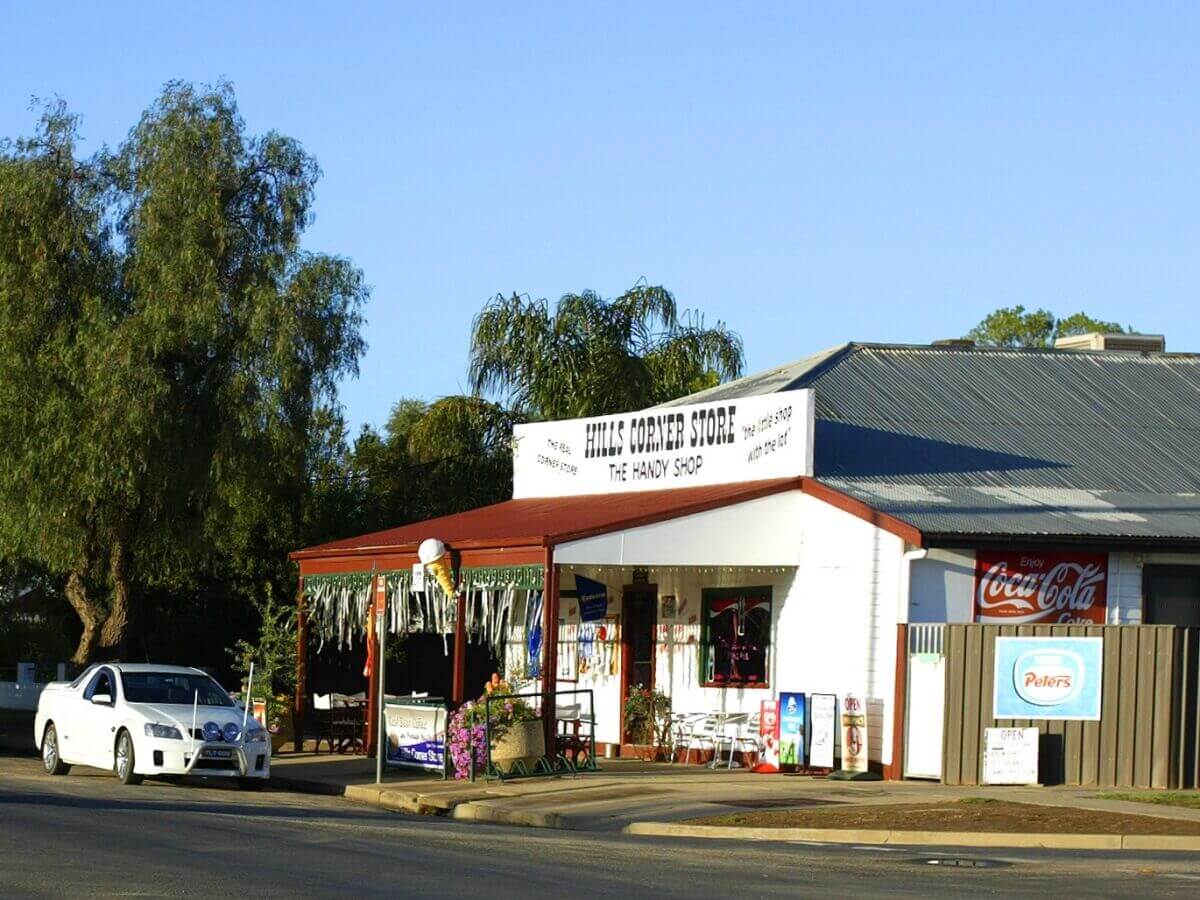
(9, 796)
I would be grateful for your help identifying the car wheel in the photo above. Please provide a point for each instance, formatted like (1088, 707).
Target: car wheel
(123, 764)
(50, 756)
(252, 784)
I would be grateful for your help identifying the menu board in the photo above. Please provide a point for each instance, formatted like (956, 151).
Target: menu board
(822, 715)
(1010, 756)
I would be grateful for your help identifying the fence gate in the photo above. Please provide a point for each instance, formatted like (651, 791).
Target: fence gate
(924, 706)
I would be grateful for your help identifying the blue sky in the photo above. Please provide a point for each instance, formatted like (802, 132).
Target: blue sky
(808, 173)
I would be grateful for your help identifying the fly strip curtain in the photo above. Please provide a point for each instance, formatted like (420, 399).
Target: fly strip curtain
(338, 604)
(337, 607)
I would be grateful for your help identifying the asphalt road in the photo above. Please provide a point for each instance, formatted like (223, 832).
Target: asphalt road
(86, 835)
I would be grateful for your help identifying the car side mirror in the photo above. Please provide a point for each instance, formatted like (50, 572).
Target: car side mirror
(102, 699)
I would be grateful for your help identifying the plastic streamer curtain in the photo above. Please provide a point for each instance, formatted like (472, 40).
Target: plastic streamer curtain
(337, 607)
(337, 604)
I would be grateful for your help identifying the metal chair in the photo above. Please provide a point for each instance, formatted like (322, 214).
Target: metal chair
(703, 734)
(728, 732)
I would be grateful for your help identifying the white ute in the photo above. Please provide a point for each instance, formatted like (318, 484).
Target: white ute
(136, 719)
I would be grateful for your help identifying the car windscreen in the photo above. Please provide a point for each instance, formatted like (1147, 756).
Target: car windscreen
(173, 687)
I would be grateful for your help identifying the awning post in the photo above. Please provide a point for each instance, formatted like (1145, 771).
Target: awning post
(300, 701)
(458, 690)
(550, 652)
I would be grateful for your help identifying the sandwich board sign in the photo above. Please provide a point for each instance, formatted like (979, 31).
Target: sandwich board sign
(822, 714)
(1010, 756)
(792, 729)
(854, 734)
(416, 734)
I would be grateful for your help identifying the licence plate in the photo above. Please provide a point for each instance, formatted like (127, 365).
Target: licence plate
(216, 754)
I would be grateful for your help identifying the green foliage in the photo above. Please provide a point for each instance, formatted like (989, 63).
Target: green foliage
(1012, 326)
(167, 351)
(592, 356)
(273, 653)
(648, 716)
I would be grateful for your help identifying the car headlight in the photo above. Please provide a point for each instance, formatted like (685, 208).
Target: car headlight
(153, 729)
(211, 731)
(231, 732)
(256, 735)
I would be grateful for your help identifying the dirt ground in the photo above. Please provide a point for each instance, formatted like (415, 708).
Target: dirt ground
(971, 814)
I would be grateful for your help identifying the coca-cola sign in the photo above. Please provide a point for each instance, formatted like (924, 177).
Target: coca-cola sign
(1016, 587)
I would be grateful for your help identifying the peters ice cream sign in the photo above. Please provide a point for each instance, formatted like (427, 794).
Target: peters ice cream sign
(1048, 677)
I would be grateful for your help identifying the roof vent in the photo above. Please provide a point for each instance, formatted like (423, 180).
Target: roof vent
(966, 343)
(1119, 343)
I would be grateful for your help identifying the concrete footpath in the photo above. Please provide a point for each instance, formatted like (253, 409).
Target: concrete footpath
(656, 799)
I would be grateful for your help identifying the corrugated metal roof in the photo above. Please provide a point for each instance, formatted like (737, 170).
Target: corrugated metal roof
(961, 441)
(536, 520)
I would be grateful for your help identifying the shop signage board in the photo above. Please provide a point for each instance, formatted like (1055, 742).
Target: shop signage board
(792, 729)
(1022, 587)
(593, 598)
(1048, 678)
(768, 737)
(418, 578)
(822, 714)
(1010, 756)
(854, 734)
(723, 442)
(416, 734)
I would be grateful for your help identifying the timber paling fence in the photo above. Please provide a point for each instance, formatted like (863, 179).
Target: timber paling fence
(1150, 706)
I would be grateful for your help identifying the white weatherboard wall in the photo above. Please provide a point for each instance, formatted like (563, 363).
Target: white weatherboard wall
(835, 583)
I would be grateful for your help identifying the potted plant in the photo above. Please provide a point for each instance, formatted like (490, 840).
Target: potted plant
(516, 732)
(648, 722)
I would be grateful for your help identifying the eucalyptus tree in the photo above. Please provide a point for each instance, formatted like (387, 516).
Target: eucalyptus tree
(165, 345)
(1013, 326)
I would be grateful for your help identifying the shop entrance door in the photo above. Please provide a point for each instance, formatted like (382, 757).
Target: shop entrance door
(638, 617)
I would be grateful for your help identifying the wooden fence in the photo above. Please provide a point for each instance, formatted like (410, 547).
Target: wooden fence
(1150, 704)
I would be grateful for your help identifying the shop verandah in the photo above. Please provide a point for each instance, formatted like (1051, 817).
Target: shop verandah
(693, 589)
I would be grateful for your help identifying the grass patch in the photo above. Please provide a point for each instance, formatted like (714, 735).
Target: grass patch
(1186, 799)
(968, 814)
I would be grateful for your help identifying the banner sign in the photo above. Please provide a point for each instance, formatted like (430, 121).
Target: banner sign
(415, 735)
(792, 729)
(1010, 756)
(593, 598)
(723, 442)
(768, 737)
(1048, 678)
(854, 734)
(822, 713)
(1018, 587)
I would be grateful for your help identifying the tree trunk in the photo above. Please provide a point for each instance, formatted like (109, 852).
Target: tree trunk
(90, 613)
(114, 638)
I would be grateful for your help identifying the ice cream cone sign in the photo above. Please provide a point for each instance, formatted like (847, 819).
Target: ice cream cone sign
(436, 558)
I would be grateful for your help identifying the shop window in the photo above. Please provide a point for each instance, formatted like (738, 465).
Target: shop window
(736, 639)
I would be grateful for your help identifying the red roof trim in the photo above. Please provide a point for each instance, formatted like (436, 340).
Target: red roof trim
(561, 514)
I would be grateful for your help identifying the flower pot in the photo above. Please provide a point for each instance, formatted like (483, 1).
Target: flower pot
(523, 742)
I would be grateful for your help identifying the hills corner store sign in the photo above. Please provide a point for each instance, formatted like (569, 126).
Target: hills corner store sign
(722, 442)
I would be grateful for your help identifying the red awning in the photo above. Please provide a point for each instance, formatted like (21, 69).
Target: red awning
(542, 521)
